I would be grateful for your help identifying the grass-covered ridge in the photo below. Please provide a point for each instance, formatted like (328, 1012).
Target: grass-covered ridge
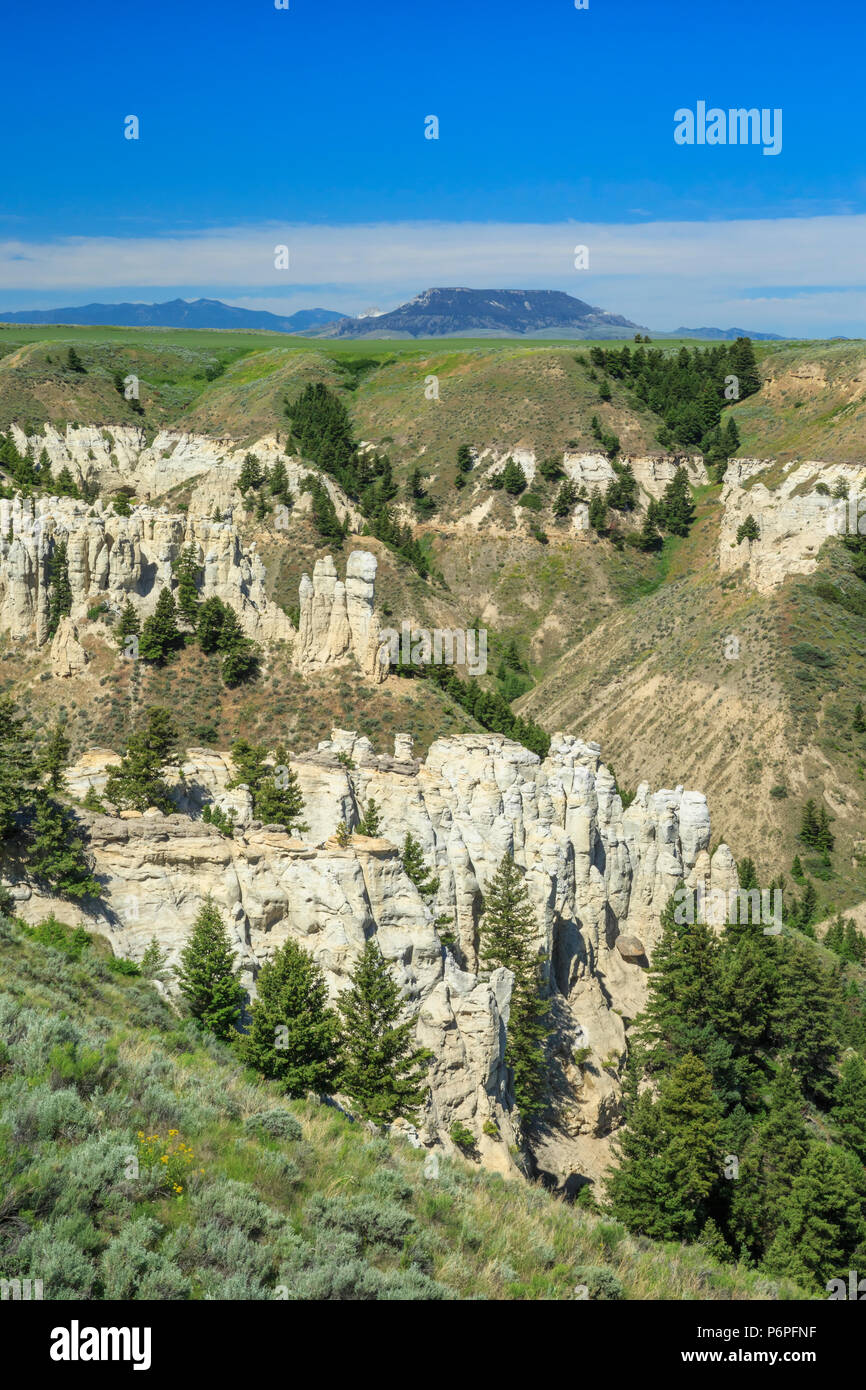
(278, 1199)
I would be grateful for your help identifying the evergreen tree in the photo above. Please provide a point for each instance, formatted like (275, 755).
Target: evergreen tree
(669, 1156)
(154, 961)
(416, 869)
(251, 475)
(682, 991)
(809, 825)
(383, 1072)
(676, 505)
(859, 724)
(293, 1033)
(464, 459)
(59, 589)
(369, 824)
(822, 1219)
(748, 530)
(278, 484)
(74, 362)
(56, 851)
(513, 478)
(276, 793)
(565, 499)
(186, 570)
(159, 635)
(507, 938)
(137, 783)
(208, 976)
(849, 1108)
(17, 767)
(796, 867)
(65, 485)
(649, 537)
(803, 1024)
(597, 511)
(55, 757)
(128, 624)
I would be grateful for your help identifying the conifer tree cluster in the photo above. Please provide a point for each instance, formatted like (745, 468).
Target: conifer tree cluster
(277, 797)
(687, 389)
(215, 626)
(743, 1036)
(38, 830)
(364, 1046)
(322, 430)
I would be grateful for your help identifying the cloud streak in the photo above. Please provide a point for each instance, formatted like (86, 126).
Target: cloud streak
(662, 273)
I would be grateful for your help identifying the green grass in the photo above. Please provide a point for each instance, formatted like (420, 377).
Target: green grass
(91, 1060)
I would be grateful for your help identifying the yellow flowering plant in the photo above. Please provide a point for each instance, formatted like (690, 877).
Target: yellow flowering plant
(171, 1158)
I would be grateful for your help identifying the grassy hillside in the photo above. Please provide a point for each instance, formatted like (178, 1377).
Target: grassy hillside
(99, 1079)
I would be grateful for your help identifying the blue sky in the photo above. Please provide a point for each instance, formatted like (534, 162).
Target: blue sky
(305, 127)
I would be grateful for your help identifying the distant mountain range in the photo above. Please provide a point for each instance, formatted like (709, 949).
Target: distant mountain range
(436, 313)
(179, 313)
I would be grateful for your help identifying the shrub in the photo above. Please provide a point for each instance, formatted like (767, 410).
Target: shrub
(131, 1270)
(462, 1137)
(601, 1282)
(276, 1124)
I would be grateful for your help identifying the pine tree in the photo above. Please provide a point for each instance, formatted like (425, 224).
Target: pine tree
(17, 767)
(276, 792)
(56, 851)
(803, 1024)
(383, 1073)
(464, 459)
(293, 1033)
(65, 485)
(154, 961)
(748, 530)
(186, 570)
(251, 476)
(849, 1108)
(74, 362)
(160, 635)
(565, 499)
(822, 1218)
(369, 823)
(597, 511)
(137, 783)
(59, 589)
(677, 506)
(669, 1156)
(682, 998)
(809, 825)
(416, 869)
(507, 938)
(128, 624)
(208, 976)
(796, 867)
(859, 723)
(513, 478)
(55, 757)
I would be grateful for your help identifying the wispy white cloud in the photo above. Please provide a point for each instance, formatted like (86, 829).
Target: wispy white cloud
(658, 273)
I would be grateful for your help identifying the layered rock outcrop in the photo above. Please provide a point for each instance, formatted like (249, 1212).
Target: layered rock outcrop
(209, 468)
(113, 558)
(598, 875)
(337, 622)
(794, 518)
